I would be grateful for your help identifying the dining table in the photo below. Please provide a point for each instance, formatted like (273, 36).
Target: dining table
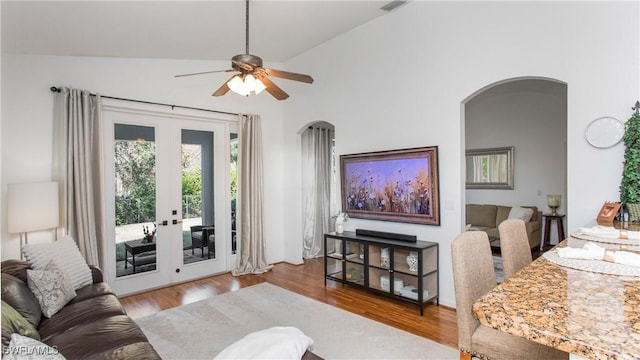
(589, 309)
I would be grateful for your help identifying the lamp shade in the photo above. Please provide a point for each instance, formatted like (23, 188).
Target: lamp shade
(246, 84)
(32, 207)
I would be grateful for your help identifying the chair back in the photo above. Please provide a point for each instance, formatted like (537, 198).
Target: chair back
(514, 246)
(473, 276)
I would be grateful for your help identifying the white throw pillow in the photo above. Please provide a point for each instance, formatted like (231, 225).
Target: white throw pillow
(66, 254)
(280, 342)
(25, 348)
(52, 287)
(521, 213)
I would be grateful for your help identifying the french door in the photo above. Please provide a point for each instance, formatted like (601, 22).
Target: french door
(167, 198)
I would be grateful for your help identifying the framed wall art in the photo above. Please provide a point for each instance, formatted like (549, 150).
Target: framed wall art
(395, 185)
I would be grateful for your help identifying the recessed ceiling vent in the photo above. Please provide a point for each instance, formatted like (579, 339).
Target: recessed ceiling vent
(394, 4)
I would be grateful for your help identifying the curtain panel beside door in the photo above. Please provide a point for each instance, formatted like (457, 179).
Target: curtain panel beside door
(250, 198)
(317, 159)
(78, 168)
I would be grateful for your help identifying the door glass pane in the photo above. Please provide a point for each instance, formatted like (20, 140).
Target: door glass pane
(198, 231)
(135, 198)
(234, 190)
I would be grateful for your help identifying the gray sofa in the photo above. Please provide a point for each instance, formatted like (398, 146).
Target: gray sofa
(486, 217)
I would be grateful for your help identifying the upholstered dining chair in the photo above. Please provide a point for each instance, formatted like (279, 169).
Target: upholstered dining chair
(202, 236)
(514, 246)
(473, 276)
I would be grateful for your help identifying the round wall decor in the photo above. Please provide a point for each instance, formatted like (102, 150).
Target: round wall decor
(604, 132)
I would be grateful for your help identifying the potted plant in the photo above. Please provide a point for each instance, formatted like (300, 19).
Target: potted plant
(340, 218)
(630, 184)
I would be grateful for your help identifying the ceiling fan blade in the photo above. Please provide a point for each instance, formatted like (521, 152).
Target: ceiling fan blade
(223, 89)
(273, 89)
(204, 72)
(289, 75)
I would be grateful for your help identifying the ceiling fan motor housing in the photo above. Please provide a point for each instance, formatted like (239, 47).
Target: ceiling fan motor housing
(248, 59)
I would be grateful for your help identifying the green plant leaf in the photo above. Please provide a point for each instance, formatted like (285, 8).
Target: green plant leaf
(630, 183)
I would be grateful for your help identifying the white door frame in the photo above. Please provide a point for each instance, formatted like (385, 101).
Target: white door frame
(168, 125)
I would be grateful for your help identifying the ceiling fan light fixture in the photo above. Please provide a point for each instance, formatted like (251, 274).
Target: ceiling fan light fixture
(254, 84)
(245, 85)
(259, 86)
(252, 77)
(237, 85)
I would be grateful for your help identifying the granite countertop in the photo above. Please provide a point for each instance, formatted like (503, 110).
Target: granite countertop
(593, 315)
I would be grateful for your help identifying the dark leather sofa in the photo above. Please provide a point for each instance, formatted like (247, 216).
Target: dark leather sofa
(93, 325)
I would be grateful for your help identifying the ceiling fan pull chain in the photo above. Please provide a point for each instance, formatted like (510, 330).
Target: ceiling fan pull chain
(247, 27)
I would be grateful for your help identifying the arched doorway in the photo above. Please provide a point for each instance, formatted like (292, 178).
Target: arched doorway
(529, 114)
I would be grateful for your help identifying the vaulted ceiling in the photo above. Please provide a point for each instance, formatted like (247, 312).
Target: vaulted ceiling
(199, 30)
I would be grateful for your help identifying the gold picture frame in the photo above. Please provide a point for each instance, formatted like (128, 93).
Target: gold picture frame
(395, 185)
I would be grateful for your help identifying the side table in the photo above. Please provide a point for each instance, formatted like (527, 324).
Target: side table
(548, 219)
(136, 248)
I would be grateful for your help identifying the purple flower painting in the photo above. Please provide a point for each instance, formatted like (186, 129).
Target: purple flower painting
(399, 185)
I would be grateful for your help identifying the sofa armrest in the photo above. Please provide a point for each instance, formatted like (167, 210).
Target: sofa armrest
(534, 233)
(537, 215)
(17, 268)
(97, 274)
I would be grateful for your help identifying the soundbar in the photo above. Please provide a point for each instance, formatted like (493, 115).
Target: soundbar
(386, 235)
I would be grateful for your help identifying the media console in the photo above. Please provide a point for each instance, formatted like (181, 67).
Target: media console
(403, 269)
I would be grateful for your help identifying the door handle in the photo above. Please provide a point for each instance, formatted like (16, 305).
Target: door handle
(164, 223)
(176, 221)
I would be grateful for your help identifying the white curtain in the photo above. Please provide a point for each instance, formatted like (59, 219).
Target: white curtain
(252, 258)
(78, 168)
(317, 148)
(477, 169)
(496, 168)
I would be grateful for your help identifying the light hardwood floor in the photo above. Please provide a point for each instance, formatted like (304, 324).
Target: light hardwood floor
(438, 322)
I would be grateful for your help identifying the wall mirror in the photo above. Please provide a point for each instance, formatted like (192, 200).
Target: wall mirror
(490, 168)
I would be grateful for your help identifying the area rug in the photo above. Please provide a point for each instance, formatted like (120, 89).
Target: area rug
(202, 329)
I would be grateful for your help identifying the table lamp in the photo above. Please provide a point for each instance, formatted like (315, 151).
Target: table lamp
(553, 201)
(32, 207)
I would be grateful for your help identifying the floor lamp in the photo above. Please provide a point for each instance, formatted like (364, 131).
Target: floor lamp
(32, 207)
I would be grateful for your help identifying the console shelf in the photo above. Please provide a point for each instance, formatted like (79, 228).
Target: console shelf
(382, 266)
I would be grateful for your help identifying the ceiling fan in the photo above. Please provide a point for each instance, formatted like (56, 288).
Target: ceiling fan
(251, 76)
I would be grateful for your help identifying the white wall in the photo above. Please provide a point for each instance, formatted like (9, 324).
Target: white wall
(28, 107)
(530, 115)
(396, 82)
(399, 81)
(1, 207)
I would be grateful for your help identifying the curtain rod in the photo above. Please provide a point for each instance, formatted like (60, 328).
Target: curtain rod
(57, 89)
